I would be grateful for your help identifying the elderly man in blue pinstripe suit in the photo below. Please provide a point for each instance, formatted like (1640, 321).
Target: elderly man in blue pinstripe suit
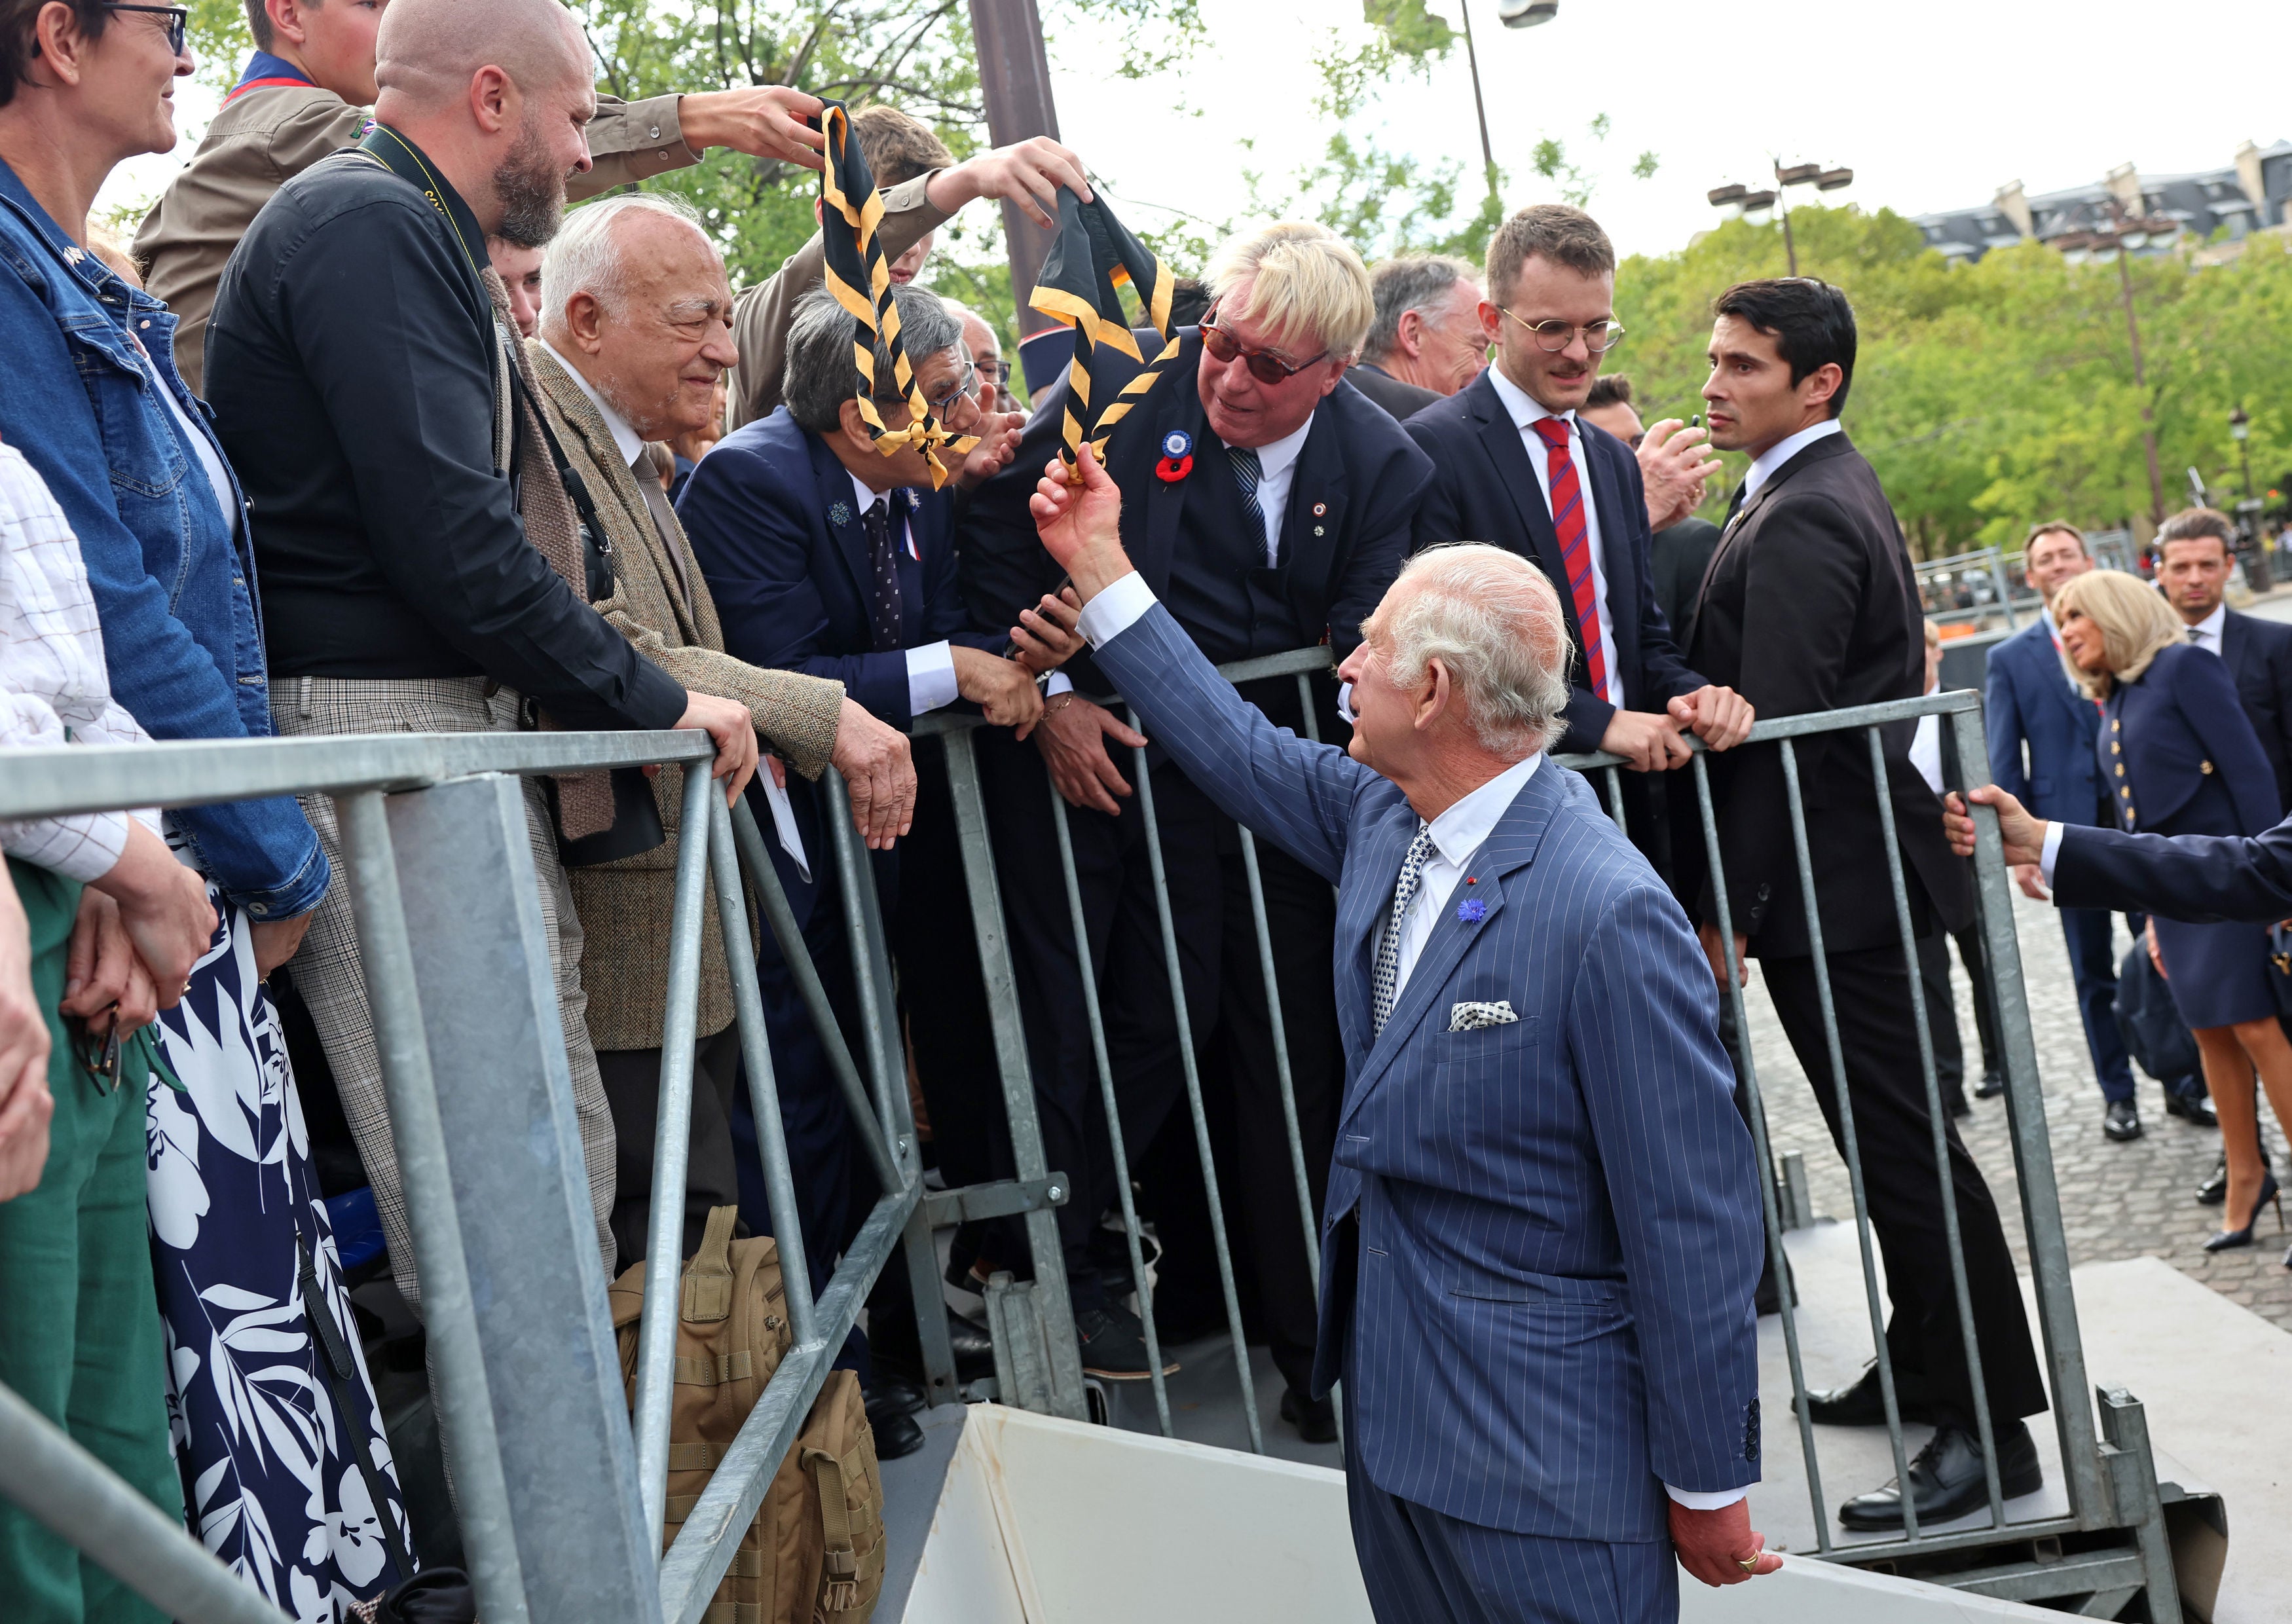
(1542, 1228)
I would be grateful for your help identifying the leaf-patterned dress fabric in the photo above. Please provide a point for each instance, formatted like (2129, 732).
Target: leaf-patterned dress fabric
(270, 1480)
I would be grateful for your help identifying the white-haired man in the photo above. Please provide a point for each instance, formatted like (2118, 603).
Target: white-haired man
(416, 584)
(1426, 343)
(1543, 1229)
(1272, 503)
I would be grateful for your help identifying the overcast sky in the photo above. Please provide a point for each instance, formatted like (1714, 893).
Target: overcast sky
(1933, 105)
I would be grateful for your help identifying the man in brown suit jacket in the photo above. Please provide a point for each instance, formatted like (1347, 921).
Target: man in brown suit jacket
(633, 336)
(310, 87)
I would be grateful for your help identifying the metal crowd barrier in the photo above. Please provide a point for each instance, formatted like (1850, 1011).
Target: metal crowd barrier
(561, 1495)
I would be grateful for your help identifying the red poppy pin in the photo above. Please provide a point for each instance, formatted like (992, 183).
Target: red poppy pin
(1177, 456)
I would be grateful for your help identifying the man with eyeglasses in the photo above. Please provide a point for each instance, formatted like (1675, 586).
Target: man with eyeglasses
(1517, 463)
(1268, 505)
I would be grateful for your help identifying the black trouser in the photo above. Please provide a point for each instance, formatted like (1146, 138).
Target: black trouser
(1894, 1131)
(631, 1078)
(1225, 1001)
(1942, 1009)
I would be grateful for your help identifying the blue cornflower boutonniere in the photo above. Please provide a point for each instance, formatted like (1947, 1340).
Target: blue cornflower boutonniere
(840, 514)
(1471, 910)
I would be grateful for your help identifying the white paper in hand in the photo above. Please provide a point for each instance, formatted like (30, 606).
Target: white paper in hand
(783, 823)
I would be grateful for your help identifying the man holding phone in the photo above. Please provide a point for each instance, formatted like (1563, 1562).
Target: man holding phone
(1676, 467)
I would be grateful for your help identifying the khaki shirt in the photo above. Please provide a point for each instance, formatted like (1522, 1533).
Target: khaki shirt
(264, 136)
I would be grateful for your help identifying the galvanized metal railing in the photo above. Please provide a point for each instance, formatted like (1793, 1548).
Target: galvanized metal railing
(561, 1492)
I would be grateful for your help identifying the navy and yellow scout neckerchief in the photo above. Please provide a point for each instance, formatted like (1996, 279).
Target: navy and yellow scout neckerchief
(861, 279)
(1092, 255)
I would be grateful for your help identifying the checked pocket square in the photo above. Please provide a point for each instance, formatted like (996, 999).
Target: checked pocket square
(1472, 1017)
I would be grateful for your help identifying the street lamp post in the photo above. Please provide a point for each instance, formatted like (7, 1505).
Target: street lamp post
(2258, 574)
(1798, 175)
(1513, 14)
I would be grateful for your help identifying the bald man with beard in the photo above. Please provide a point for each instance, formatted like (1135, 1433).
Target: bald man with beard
(424, 565)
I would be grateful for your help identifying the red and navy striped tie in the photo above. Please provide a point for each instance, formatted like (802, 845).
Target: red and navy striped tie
(1575, 549)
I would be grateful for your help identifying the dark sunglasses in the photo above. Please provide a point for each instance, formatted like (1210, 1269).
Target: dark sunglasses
(178, 19)
(1263, 365)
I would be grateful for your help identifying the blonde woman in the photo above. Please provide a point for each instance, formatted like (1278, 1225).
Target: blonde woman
(2178, 757)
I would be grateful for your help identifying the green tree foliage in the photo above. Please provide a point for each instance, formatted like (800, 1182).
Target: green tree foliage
(1992, 395)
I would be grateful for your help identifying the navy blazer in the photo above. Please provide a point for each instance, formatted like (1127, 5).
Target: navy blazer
(2179, 755)
(2258, 654)
(775, 527)
(1344, 534)
(2027, 701)
(1548, 1283)
(2204, 879)
(1484, 489)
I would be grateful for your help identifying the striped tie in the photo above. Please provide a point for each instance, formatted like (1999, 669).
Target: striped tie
(1249, 473)
(1385, 989)
(1575, 549)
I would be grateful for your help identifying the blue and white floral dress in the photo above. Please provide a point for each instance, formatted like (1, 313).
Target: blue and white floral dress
(270, 1480)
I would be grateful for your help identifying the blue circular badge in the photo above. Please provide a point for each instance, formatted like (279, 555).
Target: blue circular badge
(1177, 443)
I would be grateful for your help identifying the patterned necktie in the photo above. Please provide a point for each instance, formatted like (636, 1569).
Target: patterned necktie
(1385, 989)
(1575, 548)
(1249, 473)
(2196, 637)
(884, 569)
(656, 501)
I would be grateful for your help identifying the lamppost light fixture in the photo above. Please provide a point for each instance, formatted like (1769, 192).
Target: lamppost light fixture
(1525, 13)
(1799, 175)
(1720, 197)
(1757, 202)
(2239, 426)
(1831, 180)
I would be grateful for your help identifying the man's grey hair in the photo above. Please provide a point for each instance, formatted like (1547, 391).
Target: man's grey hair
(1490, 617)
(819, 377)
(1419, 282)
(586, 254)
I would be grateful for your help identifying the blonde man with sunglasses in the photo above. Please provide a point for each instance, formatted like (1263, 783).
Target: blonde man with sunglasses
(1269, 506)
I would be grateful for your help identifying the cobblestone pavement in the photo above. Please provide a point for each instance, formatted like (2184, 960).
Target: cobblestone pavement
(2118, 1200)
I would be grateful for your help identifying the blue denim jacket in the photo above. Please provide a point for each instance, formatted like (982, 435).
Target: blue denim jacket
(182, 627)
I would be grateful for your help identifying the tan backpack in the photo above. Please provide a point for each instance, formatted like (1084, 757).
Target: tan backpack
(815, 1553)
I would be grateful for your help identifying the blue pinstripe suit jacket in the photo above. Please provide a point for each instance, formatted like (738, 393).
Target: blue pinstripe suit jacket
(1555, 1230)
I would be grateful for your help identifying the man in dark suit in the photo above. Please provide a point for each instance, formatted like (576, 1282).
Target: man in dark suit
(1426, 343)
(1542, 1231)
(2041, 734)
(1809, 605)
(2198, 548)
(1269, 505)
(826, 556)
(1515, 464)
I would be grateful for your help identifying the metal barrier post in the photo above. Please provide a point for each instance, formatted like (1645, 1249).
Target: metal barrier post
(2033, 1151)
(671, 1153)
(466, 1411)
(82, 1500)
(1049, 1283)
(488, 997)
(1192, 1071)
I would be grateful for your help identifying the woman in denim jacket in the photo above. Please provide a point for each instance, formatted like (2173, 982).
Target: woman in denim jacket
(296, 1495)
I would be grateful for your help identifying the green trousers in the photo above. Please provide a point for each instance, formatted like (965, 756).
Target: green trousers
(80, 1318)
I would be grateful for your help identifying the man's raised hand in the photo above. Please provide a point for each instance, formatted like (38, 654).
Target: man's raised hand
(766, 121)
(1028, 174)
(1079, 519)
(1047, 635)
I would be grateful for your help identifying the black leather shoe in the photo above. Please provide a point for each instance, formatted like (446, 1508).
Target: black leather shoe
(1315, 1419)
(893, 1346)
(2193, 1108)
(1947, 1481)
(1114, 1345)
(1992, 1084)
(2123, 1121)
(1859, 1403)
(892, 1406)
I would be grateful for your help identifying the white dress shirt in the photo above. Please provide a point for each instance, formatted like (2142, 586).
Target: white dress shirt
(1926, 748)
(931, 665)
(52, 671)
(2206, 633)
(1526, 411)
(1457, 836)
(1763, 465)
(1277, 471)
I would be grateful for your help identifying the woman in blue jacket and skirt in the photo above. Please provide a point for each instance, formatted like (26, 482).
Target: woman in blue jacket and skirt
(2179, 758)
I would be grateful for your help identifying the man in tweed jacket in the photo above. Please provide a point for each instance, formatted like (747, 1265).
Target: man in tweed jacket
(633, 336)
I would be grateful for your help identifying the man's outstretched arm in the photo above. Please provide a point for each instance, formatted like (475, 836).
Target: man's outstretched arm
(1296, 794)
(2201, 879)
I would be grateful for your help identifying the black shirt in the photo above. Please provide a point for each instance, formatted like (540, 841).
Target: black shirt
(351, 368)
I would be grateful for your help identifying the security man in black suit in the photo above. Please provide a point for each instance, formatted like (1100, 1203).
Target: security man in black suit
(1809, 605)
(1267, 504)
(2197, 551)
(1515, 462)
